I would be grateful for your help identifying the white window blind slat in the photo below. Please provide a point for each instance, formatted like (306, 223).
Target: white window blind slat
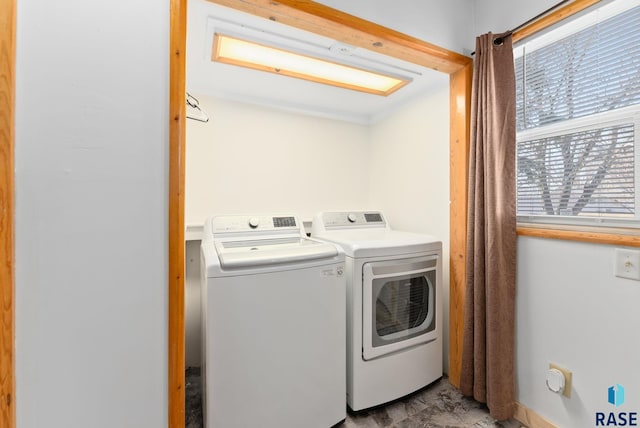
(587, 171)
(591, 71)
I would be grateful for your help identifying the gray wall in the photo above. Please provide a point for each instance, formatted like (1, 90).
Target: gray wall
(91, 213)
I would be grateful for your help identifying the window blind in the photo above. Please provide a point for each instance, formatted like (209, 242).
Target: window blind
(594, 70)
(577, 109)
(587, 172)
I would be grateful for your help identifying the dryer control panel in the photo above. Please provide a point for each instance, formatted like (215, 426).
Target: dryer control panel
(352, 219)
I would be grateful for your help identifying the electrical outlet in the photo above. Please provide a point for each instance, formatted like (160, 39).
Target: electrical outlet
(567, 379)
(627, 264)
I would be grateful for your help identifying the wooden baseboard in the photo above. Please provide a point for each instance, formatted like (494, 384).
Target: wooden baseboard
(530, 418)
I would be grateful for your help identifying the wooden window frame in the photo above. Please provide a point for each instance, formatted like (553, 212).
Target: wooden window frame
(595, 235)
(591, 234)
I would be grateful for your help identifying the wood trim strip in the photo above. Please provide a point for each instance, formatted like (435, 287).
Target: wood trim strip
(581, 236)
(177, 118)
(553, 18)
(343, 27)
(460, 119)
(7, 189)
(530, 418)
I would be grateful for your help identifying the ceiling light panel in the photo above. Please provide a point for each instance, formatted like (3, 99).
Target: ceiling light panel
(245, 53)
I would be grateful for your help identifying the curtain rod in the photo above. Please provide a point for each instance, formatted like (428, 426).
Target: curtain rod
(498, 40)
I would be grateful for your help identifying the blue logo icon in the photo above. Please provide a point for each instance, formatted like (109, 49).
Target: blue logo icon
(616, 418)
(616, 395)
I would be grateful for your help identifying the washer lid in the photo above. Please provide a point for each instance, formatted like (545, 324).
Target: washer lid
(263, 252)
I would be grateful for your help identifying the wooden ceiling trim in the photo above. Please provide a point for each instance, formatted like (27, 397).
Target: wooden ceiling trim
(332, 23)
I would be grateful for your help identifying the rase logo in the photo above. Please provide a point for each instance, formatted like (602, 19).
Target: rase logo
(615, 397)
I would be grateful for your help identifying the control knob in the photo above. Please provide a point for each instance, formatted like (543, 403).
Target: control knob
(253, 222)
(352, 218)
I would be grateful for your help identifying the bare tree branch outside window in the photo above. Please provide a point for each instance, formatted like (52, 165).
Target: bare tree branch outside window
(588, 172)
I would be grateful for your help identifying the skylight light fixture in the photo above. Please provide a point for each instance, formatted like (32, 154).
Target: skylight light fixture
(244, 53)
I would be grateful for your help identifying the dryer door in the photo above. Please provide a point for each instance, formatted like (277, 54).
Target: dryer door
(398, 304)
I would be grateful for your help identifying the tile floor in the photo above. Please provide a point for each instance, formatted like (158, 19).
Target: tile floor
(437, 406)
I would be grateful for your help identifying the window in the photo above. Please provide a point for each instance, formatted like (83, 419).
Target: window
(578, 120)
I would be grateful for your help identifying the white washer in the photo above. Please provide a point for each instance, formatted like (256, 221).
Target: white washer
(273, 325)
(394, 317)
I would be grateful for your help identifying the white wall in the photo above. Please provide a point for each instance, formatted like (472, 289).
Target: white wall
(497, 16)
(571, 310)
(448, 24)
(249, 159)
(253, 159)
(409, 175)
(91, 222)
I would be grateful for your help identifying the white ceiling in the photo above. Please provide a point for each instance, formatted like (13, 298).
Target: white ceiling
(205, 77)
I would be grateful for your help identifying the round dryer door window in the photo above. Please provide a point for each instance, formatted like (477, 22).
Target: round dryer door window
(399, 303)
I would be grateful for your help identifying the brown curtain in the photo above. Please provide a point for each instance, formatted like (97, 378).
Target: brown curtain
(488, 346)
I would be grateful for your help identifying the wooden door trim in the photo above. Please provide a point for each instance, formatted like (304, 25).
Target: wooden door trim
(459, 140)
(323, 20)
(177, 118)
(328, 22)
(340, 26)
(7, 189)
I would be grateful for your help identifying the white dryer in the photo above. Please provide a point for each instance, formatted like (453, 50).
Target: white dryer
(273, 313)
(394, 317)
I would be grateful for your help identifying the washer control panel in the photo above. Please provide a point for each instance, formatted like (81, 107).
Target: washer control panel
(251, 223)
(353, 219)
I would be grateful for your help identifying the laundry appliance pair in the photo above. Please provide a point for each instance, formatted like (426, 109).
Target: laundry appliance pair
(275, 329)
